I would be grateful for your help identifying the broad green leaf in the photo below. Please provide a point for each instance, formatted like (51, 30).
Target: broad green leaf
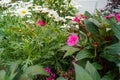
(81, 74)
(92, 71)
(61, 78)
(97, 66)
(113, 49)
(91, 27)
(87, 14)
(33, 70)
(69, 50)
(2, 75)
(13, 69)
(116, 28)
(108, 77)
(83, 54)
(95, 22)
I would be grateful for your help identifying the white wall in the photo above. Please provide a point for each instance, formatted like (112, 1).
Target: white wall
(90, 5)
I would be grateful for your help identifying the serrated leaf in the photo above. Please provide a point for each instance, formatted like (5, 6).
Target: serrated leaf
(81, 74)
(83, 54)
(91, 27)
(69, 50)
(92, 71)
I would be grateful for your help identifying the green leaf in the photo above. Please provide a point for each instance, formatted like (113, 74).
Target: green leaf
(108, 77)
(61, 78)
(69, 50)
(116, 28)
(33, 70)
(92, 71)
(13, 69)
(81, 74)
(97, 66)
(2, 75)
(83, 54)
(87, 14)
(113, 49)
(91, 27)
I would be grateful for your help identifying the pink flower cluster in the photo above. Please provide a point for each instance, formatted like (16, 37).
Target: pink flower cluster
(117, 16)
(52, 75)
(72, 40)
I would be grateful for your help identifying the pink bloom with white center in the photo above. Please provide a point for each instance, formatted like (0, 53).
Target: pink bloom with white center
(76, 19)
(72, 40)
(40, 23)
(117, 17)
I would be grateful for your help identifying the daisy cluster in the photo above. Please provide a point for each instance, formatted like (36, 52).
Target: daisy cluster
(27, 9)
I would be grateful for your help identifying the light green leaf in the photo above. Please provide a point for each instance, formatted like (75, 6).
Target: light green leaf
(81, 74)
(92, 71)
(69, 50)
(83, 54)
(33, 70)
(13, 69)
(61, 78)
(2, 74)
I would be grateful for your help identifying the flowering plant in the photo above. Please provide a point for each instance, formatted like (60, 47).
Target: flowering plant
(51, 42)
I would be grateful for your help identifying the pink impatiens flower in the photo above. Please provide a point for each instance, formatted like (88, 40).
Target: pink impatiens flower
(72, 40)
(76, 19)
(117, 17)
(110, 16)
(40, 23)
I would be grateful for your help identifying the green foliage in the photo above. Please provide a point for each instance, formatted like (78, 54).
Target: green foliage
(69, 50)
(81, 74)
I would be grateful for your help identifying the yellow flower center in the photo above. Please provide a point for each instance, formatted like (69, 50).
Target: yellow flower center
(23, 12)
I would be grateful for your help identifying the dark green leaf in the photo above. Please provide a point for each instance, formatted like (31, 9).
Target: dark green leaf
(87, 14)
(97, 66)
(108, 77)
(116, 28)
(91, 27)
(113, 49)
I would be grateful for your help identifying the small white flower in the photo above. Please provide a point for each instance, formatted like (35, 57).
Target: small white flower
(69, 17)
(65, 26)
(22, 12)
(53, 14)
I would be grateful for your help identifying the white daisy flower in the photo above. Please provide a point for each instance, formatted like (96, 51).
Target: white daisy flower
(22, 12)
